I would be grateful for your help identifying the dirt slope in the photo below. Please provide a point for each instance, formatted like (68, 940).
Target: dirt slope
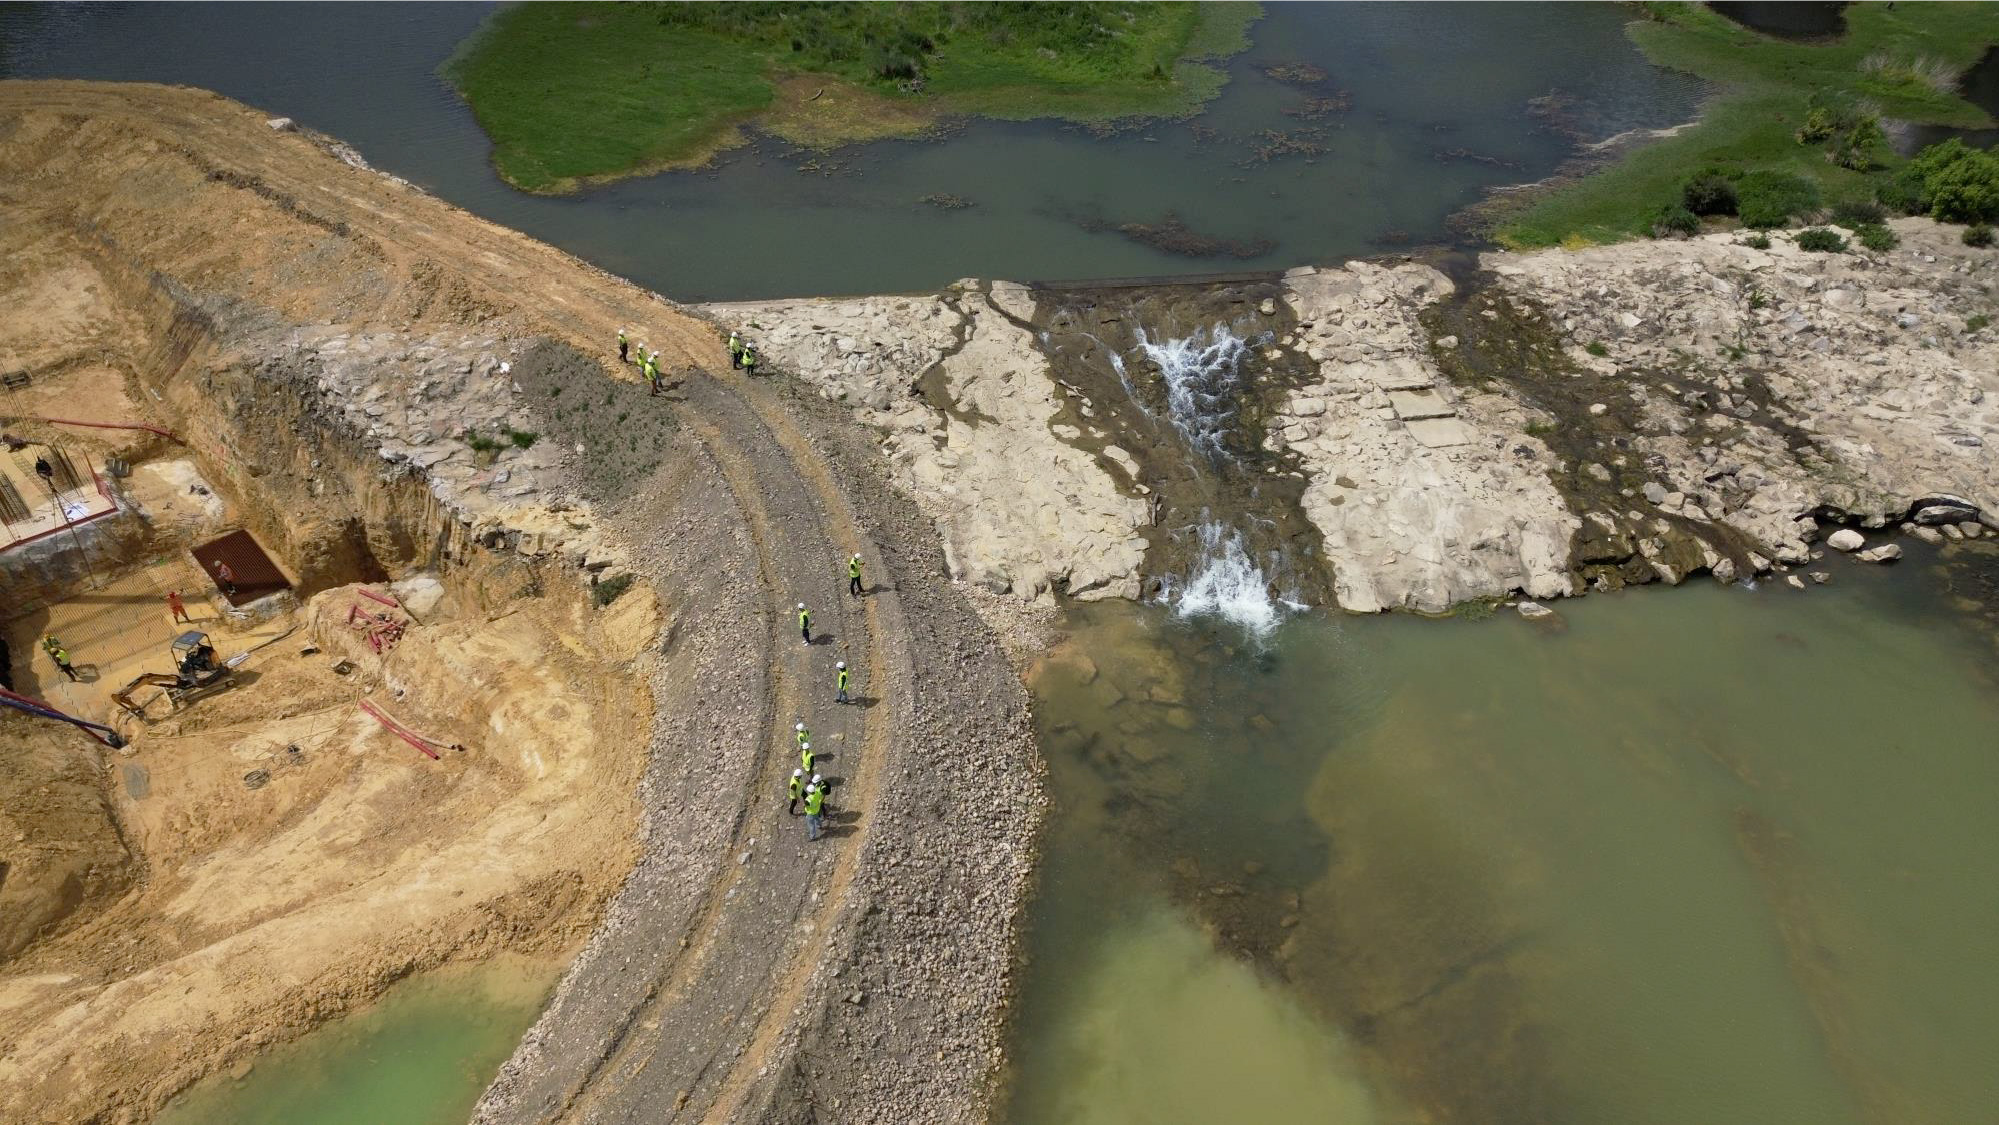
(739, 974)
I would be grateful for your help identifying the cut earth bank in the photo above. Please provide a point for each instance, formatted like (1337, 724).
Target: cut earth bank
(394, 395)
(1453, 430)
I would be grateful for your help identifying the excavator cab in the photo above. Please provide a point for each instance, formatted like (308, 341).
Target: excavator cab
(193, 655)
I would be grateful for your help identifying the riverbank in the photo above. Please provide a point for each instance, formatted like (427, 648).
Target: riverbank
(370, 372)
(589, 93)
(1898, 63)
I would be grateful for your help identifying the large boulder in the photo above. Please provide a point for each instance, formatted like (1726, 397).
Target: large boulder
(1886, 552)
(1846, 539)
(1942, 508)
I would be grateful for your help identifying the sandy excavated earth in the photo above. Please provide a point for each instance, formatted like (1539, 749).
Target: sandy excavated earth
(379, 385)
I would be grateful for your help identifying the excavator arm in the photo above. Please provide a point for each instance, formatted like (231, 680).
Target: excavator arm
(123, 696)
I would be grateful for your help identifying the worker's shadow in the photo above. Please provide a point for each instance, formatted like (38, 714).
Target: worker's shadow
(86, 673)
(840, 823)
(822, 638)
(862, 701)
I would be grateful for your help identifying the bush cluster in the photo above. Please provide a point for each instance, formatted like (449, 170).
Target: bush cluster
(1850, 131)
(1819, 240)
(1978, 234)
(1675, 219)
(1877, 237)
(1949, 180)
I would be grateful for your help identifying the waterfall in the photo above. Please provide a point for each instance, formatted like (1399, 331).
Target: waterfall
(1201, 372)
(1226, 584)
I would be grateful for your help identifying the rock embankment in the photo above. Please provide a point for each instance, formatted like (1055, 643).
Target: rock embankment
(967, 406)
(1537, 424)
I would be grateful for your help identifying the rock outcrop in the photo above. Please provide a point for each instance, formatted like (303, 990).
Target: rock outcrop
(966, 402)
(1540, 424)
(1423, 495)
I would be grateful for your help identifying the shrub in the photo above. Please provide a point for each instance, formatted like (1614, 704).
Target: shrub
(1976, 322)
(1978, 234)
(522, 439)
(1596, 348)
(1675, 219)
(1770, 198)
(1877, 237)
(1904, 192)
(607, 591)
(1956, 183)
(1757, 242)
(1860, 148)
(1856, 213)
(1819, 240)
(1966, 191)
(1709, 192)
(1852, 131)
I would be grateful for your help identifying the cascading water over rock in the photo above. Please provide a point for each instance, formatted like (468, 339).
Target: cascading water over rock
(1201, 372)
(1226, 584)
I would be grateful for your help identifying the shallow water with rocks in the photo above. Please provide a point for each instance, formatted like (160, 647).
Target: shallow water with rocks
(1708, 854)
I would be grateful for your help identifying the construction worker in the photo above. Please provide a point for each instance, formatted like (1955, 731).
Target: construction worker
(735, 350)
(815, 806)
(651, 369)
(225, 577)
(841, 668)
(179, 611)
(796, 789)
(804, 623)
(804, 736)
(624, 347)
(749, 360)
(805, 756)
(854, 575)
(50, 644)
(61, 656)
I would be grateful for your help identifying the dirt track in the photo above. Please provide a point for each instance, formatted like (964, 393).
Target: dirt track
(739, 974)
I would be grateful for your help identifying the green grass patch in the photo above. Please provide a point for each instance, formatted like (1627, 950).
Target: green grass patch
(571, 93)
(1899, 62)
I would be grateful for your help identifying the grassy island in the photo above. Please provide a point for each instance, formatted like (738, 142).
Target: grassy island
(1792, 124)
(575, 93)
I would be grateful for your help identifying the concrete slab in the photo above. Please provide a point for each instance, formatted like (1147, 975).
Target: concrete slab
(1398, 373)
(1440, 433)
(1412, 405)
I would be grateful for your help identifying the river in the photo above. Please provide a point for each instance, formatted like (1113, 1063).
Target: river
(1711, 854)
(1421, 108)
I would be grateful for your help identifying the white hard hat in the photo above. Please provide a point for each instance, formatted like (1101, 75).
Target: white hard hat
(805, 746)
(857, 554)
(800, 726)
(801, 605)
(815, 779)
(841, 664)
(798, 773)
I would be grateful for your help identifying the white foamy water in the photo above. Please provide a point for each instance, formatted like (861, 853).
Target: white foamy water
(1200, 372)
(1228, 585)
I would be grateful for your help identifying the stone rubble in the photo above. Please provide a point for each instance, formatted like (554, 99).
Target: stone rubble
(421, 403)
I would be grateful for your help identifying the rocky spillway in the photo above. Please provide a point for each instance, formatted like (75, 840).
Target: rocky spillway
(1515, 424)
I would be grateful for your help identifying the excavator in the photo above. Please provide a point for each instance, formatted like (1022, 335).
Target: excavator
(196, 673)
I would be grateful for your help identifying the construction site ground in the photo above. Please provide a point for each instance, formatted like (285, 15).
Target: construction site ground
(619, 791)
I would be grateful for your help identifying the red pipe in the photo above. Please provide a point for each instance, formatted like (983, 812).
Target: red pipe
(398, 730)
(168, 434)
(367, 593)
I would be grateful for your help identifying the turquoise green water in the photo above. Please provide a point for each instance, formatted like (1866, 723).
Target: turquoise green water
(421, 1056)
(1701, 855)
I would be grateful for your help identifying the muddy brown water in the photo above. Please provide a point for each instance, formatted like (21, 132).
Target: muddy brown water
(1707, 854)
